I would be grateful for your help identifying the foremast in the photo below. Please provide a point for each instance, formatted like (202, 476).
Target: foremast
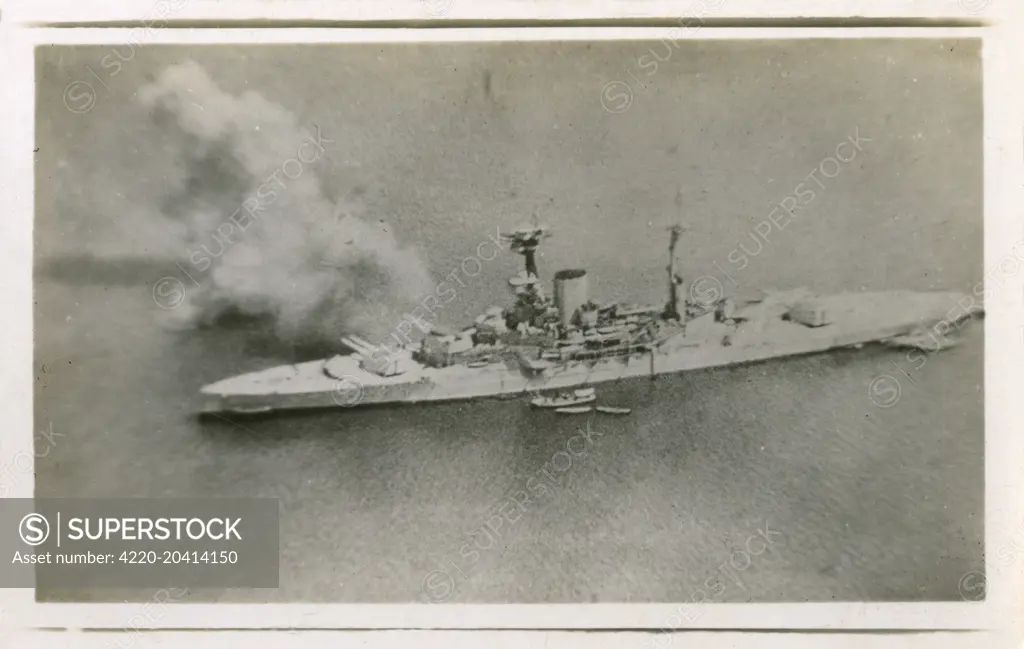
(525, 241)
(674, 309)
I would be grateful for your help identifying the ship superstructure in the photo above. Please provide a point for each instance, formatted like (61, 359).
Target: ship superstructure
(564, 340)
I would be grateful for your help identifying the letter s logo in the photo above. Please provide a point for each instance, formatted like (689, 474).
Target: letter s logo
(616, 96)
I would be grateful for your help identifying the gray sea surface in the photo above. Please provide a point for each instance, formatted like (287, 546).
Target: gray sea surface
(860, 502)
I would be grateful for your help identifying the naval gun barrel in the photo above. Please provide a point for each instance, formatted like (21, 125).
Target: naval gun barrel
(358, 345)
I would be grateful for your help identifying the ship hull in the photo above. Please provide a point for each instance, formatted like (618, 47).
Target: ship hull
(858, 319)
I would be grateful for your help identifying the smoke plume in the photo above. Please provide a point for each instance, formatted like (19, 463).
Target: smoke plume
(260, 235)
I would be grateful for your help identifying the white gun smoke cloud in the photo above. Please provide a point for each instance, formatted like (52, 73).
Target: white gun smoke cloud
(258, 225)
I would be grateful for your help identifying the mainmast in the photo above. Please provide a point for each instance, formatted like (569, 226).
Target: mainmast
(672, 309)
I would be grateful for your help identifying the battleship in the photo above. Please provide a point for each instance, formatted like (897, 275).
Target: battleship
(567, 340)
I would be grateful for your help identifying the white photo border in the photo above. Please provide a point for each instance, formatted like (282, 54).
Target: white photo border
(1004, 225)
(500, 13)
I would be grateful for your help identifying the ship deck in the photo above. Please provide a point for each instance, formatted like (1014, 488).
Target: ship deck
(759, 333)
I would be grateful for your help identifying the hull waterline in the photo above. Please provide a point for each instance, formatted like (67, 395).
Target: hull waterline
(857, 319)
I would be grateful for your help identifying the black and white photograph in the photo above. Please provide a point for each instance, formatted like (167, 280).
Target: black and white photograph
(663, 320)
(543, 322)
